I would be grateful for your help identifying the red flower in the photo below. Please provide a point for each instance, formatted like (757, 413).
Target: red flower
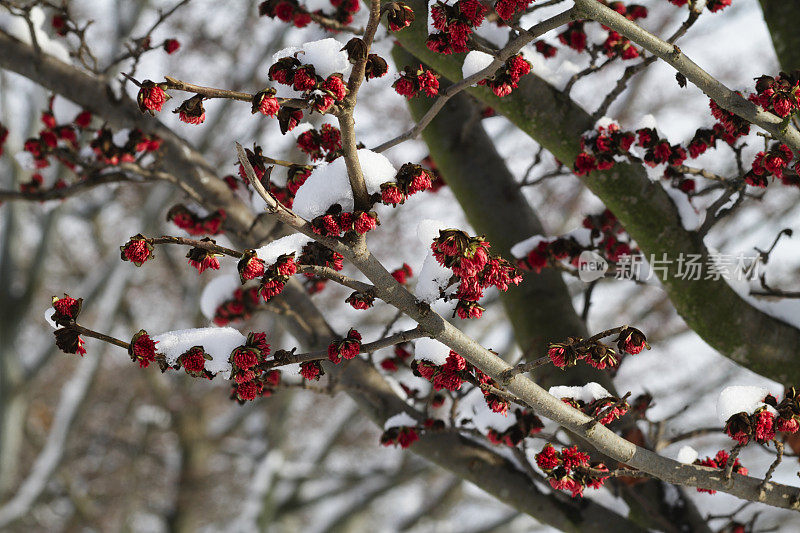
(402, 274)
(245, 358)
(142, 349)
(584, 164)
(336, 86)
(171, 46)
(251, 268)
(209, 261)
(137, 250)
(364, 223)
(151, 97)
(193, 361)
(405, 87)
(548, 458)
(271, 288)
(765, 430)
(407, 436)
(66, 307)
(304, 79)
(269, 106)
(311, 370)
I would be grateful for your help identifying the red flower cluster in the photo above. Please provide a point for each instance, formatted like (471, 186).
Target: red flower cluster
(336, 222)
(411, 83)
(110, 154)
(360, 300)
(410, 180)
(788, 419)
(250, 266)
(717, 5)
(617, 45)
(402, 274)
(547, 50)
(321, 93)
(476, 269)
(630, 12)
(239, 307)
(324, 143)
(316, 254)
(399, 15)
(264, 102)
(405, 436)
(455, 24)
(194, 224)
(595, 353)
(659, 150)
(447, 376)
(202, 259)
(137, 250)
(349, 347)
(730, 126)
(772, 162)
(171, 46)
(312, 370)
(391, 364)
(250, 379)
(191, 111)
(605, 143)
(759, 426)
(193, 362)
(566, 469)
(285, 10)
(780, 95)
(276, 276)
(721, 461)
(142, 349)
(67, 309)
(151, 97)
(608, 239)
(574, 36)
(528, 425)
(600, 406)
(506, 78)
(507, 8)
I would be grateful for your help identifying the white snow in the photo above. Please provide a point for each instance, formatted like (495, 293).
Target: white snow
(216, 342)
(473, 406)
(329, 184)
(431, 350)
(48, 316)
(431, 278)
(475, 61)
(216, 292)
(301, 129)
(270, 253)
(428, 229)
(739, 399)
(400, 420)
(690, 218)
(603, 122)
(523, 248)
(326, 55)
(25, 160)
(319, 5)
(588, 393)
(687, 455)
(648, 121)
(17, 27)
